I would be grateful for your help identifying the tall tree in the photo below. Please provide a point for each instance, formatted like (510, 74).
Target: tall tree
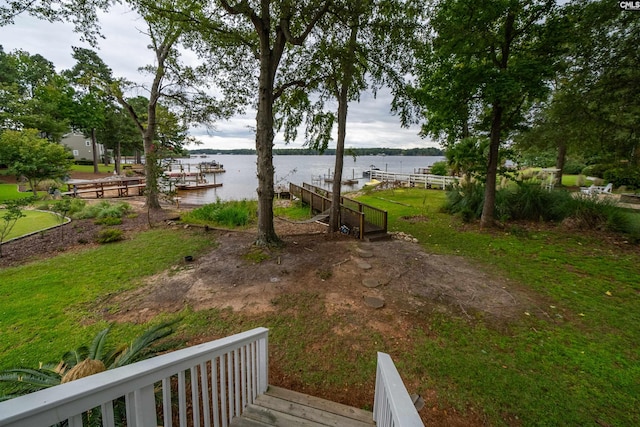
(258, 46)
(273, 26)
(164, 39)
(365, 45)
(497, 58)
(184, 90)
(119, 133)
(90, 75)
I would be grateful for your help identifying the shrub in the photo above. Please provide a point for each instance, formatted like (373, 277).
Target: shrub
(103, 209)
(77, 206)
(465, 198)
(596, 170)
(572, 167)
(623, 176)
(108, 220)
(529, 201)
(230, 214)
(109, 235)
(440, 168)
(593, 213)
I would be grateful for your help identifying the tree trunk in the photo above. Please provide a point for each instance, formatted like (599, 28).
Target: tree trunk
(343, 105)
(151, 163)
(264, 149)
(118, 158)
(94, 149)
(334, 217)
(488, 209)
(560, 161)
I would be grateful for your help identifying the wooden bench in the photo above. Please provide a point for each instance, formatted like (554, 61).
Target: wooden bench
(122, 187)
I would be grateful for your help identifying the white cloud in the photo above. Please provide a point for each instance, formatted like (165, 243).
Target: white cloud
(124, 49)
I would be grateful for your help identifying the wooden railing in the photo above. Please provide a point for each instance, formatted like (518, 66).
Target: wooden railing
(413, 180)
(367, 218)
(392, 405)
(223, 376)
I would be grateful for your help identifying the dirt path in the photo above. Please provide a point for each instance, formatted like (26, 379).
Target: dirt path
(345, 272)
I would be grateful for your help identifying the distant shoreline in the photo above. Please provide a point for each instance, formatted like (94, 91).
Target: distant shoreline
(427, 151)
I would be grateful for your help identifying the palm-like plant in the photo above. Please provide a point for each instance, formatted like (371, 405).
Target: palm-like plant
(83, 362)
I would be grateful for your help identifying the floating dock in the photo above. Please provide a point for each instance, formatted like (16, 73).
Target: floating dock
(197, 186)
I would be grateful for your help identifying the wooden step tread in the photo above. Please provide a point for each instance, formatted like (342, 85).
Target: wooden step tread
(281, 407)
(323, 404)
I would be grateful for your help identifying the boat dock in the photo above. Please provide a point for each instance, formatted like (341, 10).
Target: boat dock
(192, 177)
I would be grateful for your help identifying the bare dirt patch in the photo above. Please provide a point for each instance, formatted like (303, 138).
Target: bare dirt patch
(334, 267)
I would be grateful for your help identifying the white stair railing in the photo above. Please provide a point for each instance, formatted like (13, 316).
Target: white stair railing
(392, 405)
(224, 377)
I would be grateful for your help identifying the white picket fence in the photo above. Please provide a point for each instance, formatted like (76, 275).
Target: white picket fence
(413, 179)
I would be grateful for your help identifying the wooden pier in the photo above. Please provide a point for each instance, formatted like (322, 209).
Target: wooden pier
(363, 221)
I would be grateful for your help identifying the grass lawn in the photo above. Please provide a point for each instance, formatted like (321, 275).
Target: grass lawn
(31, 222)
(44, 305)
(89, 168)
(10, 192)
(577, 365)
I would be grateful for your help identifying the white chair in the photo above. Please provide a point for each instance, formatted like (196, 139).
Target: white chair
(604, 190)
(588, 190)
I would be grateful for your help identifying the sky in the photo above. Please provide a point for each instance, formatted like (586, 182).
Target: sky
(124, 49)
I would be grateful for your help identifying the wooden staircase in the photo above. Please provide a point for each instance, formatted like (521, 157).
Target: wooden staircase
(281, 407)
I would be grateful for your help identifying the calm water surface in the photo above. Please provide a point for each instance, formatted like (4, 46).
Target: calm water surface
(240, 181)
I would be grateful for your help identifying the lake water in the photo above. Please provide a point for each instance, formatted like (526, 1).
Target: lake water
(240, 181)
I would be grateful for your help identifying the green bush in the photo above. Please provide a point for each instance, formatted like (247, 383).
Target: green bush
(77, 206)
(109, 235)
(440, 168)
(592, 213)
(529, 201)
(465, 198)
(230, 214)
(573, 167)
(627, 176)
(108, 220)
(102, 210)
(596, 170)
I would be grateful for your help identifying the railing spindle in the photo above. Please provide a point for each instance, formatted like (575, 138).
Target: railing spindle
(182, 399)
(166, 402)
(195, 404)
